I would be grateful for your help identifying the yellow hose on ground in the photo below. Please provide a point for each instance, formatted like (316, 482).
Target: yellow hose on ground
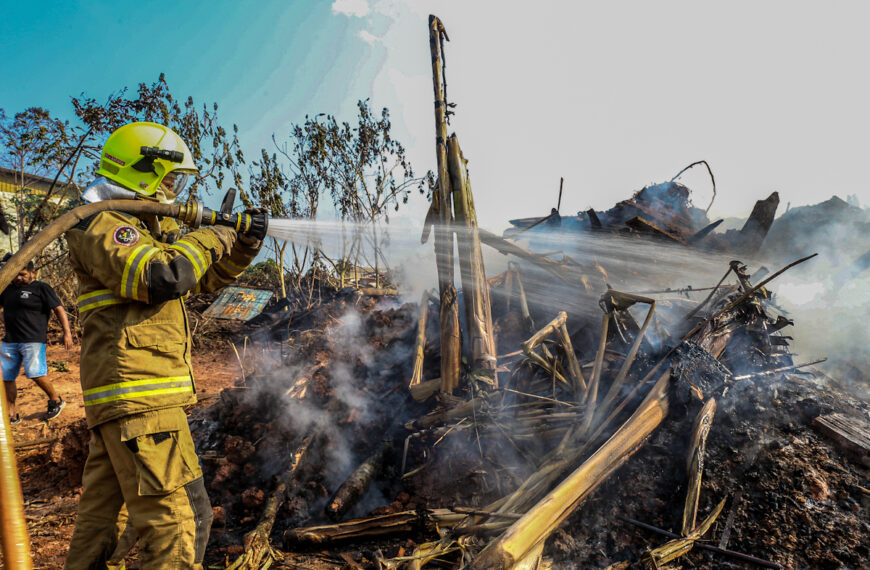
(14, 539)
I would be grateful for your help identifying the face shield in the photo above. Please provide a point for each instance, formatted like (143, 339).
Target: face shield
(181, 180)
(172, 185)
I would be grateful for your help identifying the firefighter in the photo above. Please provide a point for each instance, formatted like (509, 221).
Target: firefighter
(135, 359)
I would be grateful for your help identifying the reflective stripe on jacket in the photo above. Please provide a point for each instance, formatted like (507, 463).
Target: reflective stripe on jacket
(136, 340)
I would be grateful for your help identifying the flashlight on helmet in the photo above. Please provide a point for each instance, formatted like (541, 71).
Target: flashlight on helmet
(150, 153)
(153, 152)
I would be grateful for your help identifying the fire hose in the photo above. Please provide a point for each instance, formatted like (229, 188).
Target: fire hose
(13, 528)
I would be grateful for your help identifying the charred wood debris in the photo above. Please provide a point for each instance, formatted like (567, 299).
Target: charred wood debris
(480, 430)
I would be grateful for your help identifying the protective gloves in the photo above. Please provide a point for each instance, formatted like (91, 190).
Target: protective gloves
(226, 235)
(250, 242)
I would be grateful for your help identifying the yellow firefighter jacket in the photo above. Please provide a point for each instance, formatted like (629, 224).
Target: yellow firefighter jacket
(135, 353)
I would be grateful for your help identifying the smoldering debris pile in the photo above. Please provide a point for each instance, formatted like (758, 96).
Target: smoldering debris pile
(575, 410)
(671, 429)
(322, 386)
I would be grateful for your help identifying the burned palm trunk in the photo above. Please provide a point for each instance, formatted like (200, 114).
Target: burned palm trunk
(352, 490)
(451, 341)
(441, 204)
(478, 313)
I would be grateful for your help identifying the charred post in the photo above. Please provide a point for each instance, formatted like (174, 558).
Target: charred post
(756, 227)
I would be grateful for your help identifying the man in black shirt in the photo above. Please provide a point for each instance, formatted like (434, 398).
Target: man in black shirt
(27, 305)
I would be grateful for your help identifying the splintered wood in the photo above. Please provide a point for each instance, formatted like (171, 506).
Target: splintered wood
(573, 443)
(557, 327)
(420, 341)
(543, 518)
(695, 466)
(478, 316)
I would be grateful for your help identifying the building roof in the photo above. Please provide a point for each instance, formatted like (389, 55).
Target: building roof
(34, 182)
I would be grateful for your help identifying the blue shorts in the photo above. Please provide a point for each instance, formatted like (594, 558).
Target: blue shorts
(31, 354)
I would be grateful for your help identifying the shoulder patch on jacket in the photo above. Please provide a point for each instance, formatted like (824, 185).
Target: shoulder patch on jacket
(126, 235)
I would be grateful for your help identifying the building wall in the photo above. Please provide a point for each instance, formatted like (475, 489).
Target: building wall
(36, 186)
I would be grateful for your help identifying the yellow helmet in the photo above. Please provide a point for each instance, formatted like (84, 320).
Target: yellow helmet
(139, 155)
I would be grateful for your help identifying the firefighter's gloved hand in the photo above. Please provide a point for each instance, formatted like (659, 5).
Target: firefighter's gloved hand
(248, 241)
(227, 236)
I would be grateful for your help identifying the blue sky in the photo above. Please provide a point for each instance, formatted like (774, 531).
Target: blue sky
(264, 63)
(612, 96)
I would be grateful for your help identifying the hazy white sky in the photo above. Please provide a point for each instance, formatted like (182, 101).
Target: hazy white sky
(614, 96)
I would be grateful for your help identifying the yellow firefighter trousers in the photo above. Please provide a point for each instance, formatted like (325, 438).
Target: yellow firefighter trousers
(148, 464)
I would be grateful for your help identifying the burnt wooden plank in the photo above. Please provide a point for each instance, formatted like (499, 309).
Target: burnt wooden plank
(850, 434)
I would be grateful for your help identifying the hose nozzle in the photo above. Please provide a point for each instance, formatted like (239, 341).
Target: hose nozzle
(194, 215)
